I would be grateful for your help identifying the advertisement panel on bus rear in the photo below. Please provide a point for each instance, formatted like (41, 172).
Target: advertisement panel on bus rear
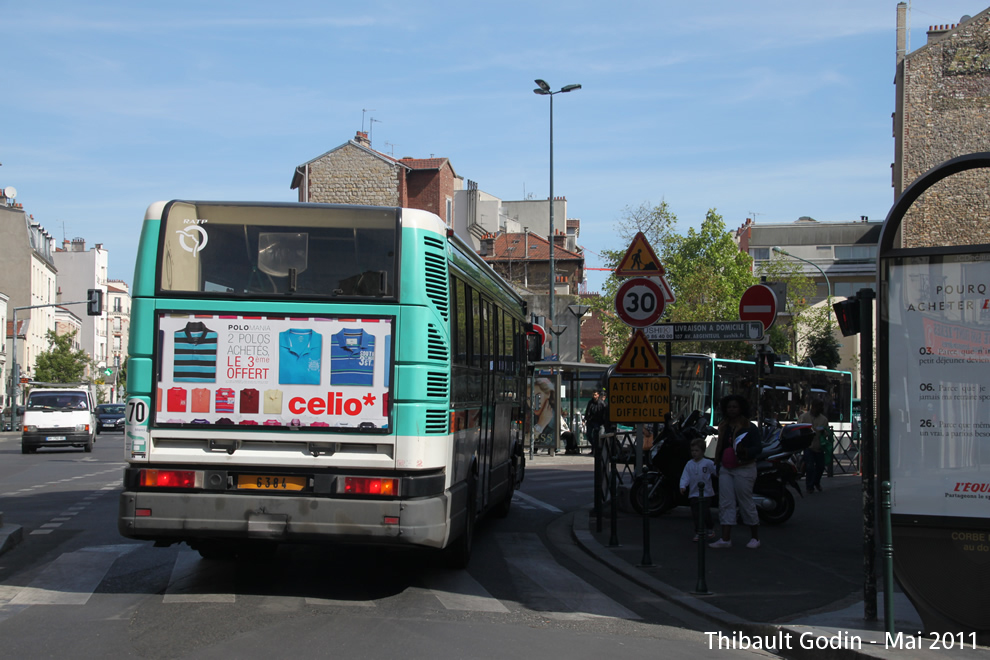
(317, 372)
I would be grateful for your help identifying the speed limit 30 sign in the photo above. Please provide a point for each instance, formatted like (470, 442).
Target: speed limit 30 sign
(639, 302)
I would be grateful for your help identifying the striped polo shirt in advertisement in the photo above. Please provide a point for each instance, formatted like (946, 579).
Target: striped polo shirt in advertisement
(352, 357)
(195, 354)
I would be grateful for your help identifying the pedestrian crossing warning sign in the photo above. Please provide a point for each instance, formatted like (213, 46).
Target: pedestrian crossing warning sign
(640, 260)
(639, 357)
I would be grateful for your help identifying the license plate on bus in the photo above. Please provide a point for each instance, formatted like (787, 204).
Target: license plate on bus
(55, 438)
(270, 482)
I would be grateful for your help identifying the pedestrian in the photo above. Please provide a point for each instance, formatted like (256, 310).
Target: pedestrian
(814, 455)
(594, 419)
(736, 470)
(699, 470)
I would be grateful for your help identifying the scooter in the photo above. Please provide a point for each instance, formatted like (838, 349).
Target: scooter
(659, 486)
(776, 470)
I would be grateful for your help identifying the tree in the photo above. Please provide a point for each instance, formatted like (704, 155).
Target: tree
(705, 269)
(657, 224)
(708, 274)
(820, 344)
(60, 363)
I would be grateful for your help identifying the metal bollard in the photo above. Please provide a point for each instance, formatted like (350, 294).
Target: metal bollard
(613, 540)
(701, 586)
(646, 561)
(888, 559)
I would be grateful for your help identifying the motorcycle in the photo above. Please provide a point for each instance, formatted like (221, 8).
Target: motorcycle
(659, 486)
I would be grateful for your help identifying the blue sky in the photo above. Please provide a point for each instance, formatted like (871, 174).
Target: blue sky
(766, 109)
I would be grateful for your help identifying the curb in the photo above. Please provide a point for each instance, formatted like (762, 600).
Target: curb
(10, 535)
(729, 623)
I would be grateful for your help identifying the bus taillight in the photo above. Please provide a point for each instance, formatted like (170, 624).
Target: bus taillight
(169, 479)
(370, 486)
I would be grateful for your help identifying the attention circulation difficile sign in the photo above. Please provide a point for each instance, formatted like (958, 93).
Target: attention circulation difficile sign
(636, 399)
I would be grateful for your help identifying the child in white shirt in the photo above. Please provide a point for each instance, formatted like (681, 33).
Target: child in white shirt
(697, 471)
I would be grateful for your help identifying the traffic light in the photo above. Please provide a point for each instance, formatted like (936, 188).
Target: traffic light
(108, 371)
(94, 302)
(847, 314)
(535, 338)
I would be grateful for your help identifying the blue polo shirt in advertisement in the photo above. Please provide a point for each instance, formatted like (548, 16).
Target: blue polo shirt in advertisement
(195, 359)
(352, 357)
(299, 357)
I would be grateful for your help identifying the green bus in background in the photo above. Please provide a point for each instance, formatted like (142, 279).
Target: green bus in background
(310, 373)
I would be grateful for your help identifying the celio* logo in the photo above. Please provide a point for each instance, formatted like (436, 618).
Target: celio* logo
(333, 404)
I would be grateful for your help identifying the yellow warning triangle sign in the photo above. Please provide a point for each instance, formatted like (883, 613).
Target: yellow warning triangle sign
(639, 357)
(640, 260)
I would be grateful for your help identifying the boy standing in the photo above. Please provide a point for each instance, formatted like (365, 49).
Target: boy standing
(699, 470)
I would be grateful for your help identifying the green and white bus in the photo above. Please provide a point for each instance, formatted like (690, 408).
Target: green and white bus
(318, 373)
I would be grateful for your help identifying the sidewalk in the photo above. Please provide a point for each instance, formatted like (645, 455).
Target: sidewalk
(806, 579)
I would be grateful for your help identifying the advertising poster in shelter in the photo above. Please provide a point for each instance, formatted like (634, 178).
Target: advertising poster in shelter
(939, 392)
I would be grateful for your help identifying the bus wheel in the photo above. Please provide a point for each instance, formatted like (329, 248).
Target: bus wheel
(458, 554)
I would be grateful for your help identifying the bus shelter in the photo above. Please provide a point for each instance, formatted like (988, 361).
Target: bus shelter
(558, 393)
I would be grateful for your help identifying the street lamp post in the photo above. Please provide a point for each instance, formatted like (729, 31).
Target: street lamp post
(578, 311)
(557, 332)
(828, 286)
(543, 89)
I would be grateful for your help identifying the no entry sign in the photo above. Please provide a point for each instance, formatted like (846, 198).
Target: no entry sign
(758, 303)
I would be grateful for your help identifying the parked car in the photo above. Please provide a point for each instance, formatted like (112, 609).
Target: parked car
(110, 417)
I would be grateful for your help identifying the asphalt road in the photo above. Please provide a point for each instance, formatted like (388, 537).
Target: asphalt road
(74, 588)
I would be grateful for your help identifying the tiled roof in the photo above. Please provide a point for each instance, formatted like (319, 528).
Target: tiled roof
(423, 163)
(527, 246)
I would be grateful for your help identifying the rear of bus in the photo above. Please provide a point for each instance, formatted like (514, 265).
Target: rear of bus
(277, 390)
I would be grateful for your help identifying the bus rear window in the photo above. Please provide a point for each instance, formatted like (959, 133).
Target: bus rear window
(252, 250)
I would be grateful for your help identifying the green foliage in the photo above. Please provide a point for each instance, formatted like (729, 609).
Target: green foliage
(705, 269)
(597, 355)
(60, 363)
(709, 275)
(820, 344)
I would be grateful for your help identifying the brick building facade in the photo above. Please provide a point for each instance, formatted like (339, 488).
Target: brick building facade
(942, 111)
(354, 173)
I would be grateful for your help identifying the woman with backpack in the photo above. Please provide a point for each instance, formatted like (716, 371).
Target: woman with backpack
(739, 443)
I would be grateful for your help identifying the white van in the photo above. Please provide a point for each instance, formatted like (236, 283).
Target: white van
(59, 416)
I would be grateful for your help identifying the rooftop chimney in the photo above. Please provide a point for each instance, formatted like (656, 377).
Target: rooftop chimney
(362, 139)
(936, 32)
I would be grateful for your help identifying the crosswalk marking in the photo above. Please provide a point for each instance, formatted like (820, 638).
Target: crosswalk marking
(529, 499)
(340, 603)
(457, 590)
(542, 584)
(526, 555)
(71, 579)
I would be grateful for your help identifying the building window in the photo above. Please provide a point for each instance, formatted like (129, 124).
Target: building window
(760, 254)
(850, 289)
(450, 212)
(823, 252)
(855, 252)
